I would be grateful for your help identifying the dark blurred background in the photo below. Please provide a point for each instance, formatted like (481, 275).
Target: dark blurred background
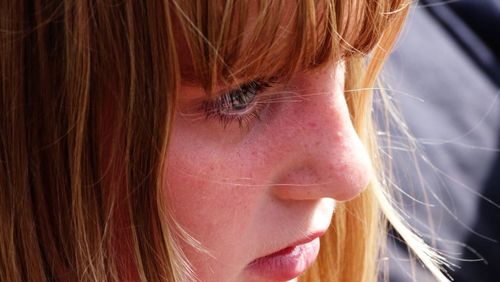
(445, 77)
(475, 27)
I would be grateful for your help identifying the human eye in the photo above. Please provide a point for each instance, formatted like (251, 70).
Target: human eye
(240, 105)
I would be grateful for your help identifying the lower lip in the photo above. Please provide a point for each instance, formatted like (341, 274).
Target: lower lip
(288, 263)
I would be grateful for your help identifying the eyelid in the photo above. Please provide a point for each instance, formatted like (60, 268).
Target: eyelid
(239, 86)
(260, 85)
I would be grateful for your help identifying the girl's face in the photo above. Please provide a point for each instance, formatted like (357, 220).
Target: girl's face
(258, 195)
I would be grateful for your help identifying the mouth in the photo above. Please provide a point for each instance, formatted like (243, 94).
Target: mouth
(289, 262)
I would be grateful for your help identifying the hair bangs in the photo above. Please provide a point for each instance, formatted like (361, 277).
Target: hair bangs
(233, 41)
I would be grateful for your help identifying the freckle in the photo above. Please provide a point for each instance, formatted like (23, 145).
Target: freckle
(312, 124)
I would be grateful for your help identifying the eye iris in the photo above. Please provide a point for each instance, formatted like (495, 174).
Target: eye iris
(238, 105)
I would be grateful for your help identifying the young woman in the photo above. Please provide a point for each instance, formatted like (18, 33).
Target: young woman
(193, 140)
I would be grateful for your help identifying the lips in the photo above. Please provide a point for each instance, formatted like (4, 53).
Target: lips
(289, 262)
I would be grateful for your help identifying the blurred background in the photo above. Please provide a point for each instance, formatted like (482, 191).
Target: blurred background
(445, 78)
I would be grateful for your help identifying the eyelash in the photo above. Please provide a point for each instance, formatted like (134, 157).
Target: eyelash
(237, 105)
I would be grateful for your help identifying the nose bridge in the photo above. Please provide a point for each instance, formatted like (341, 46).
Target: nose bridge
(324, 113)
(332, 160)
(325, 120)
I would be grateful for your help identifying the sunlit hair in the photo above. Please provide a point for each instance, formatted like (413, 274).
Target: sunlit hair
(88, 91)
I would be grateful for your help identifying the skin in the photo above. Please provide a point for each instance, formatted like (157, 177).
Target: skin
(244, 193)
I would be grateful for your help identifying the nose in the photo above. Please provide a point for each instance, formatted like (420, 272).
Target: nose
(325, 158)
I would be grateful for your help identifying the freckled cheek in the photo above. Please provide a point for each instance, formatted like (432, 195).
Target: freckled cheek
(203, 192)
(219, 217)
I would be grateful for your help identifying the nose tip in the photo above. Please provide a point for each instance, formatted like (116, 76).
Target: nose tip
(340, 177)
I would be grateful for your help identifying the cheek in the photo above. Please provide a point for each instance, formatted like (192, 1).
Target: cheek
(206, 194)
(196, 200)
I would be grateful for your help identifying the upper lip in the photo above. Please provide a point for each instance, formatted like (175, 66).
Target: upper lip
(304, 240)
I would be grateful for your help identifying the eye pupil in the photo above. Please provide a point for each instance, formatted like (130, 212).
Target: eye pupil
(242, 101)
(241, 98)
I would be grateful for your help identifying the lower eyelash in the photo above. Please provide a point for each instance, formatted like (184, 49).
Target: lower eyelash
(244, 119)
